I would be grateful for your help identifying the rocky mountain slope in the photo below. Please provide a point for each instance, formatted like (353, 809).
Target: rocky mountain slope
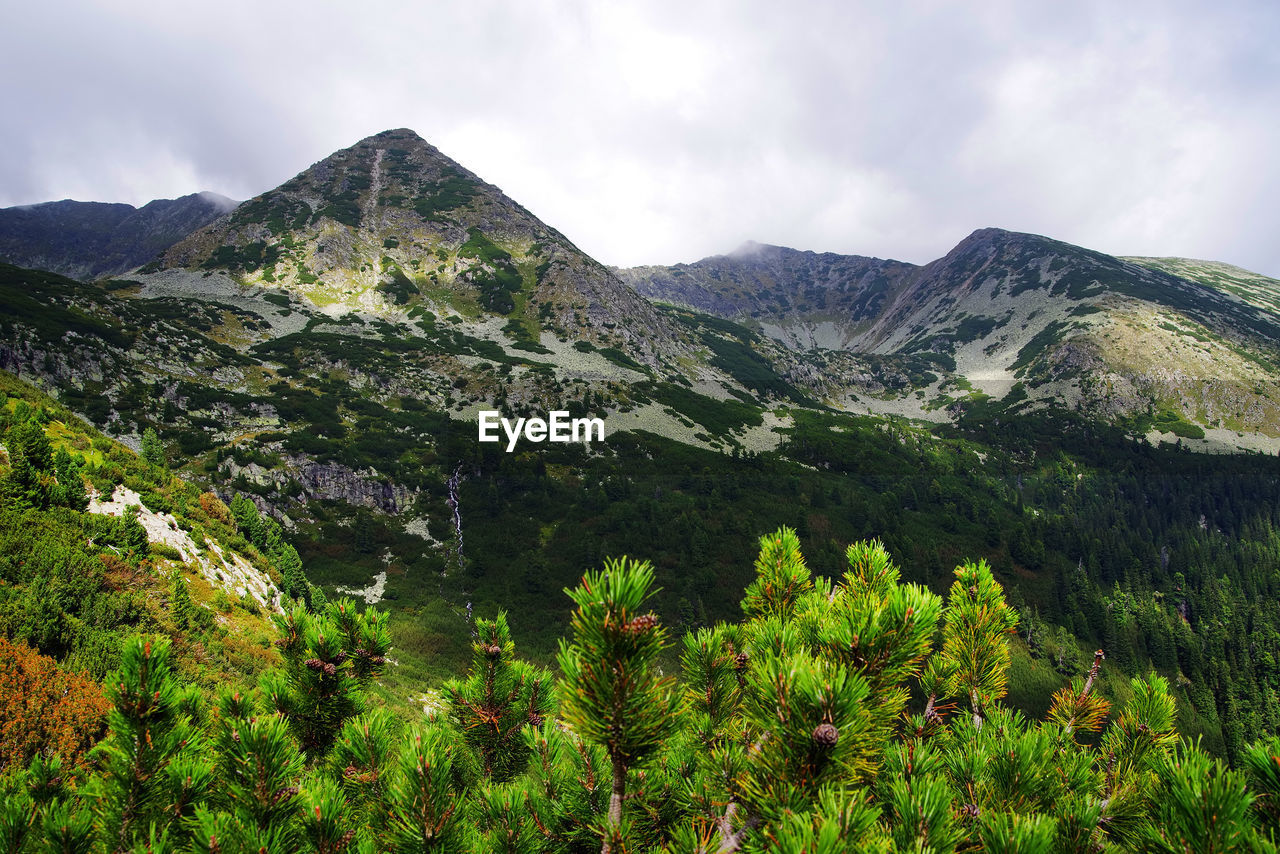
(333, 339)
(91, 240)
(391, 225)
(1186, 345)
(391, 240)
(803, 299)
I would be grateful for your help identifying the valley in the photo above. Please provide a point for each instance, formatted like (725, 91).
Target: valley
(326, 349)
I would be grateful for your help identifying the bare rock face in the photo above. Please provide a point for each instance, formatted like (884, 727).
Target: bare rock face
(334, 481)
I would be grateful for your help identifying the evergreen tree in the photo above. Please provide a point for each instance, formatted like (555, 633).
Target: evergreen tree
(153, 449)
(612, 694)
(181, 606)
(364, 760)
(293, 580)
(131, 535)
(28, 435)
(73, 491)
(152, 769)
(259, 769)
(425, 814)
(791, 732)
(499, 698)
(247, 518)
(21, 486)
(974, 641)
(330, 658)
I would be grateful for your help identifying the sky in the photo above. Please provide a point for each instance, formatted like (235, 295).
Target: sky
(663, 132)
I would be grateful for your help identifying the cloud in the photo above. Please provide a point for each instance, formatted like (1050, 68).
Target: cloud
(654, 132)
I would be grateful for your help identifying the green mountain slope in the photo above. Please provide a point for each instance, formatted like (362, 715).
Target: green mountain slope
(277, 354)
(97, 544)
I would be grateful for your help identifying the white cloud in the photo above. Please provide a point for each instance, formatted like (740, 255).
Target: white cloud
(664, 131)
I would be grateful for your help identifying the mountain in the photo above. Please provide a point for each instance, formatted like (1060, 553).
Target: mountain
(1189, 346)
(326, 348)
(91, 240)
(803, 299)
(390, 225)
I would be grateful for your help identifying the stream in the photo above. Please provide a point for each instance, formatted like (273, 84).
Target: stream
(454, 485)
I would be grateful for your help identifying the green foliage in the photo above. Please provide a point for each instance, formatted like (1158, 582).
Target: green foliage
(791, 732)
(248, 258)
(974, 647)
(132, 536)
(257, 770)
(1038, 345)
(180, 605)
(423, 803)
(612, 694)
(496, 277)
(400, 287)
(621, 359)
(152, 758)
(720, 417)
(500, 697)
(42, 301)
(1198, 805)
(331, 657)
(452, 191)
(1262, 761)
(781, 577)
(152, 449)
(733, 351)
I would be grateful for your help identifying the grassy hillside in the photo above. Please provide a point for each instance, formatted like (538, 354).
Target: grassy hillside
(75, 579)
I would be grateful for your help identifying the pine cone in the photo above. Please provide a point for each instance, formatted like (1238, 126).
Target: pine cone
(282, 793)
(825, 736)
(493, 650)
(640, 625)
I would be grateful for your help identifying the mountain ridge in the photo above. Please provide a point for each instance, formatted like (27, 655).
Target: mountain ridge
(393, 231)
(91, 240)
(1072, 326)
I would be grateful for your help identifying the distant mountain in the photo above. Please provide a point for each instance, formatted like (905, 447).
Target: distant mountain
(391, 223)
(1175, 342)
(804, 299)
(92, 240)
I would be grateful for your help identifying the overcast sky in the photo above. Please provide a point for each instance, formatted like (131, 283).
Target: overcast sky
(659, 132)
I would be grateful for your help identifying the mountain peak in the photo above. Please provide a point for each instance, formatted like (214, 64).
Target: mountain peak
(216, 200)
(390, 224)
(750, 249)
(396, 135)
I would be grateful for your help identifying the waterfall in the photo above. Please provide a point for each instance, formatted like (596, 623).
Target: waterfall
(453, 484)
